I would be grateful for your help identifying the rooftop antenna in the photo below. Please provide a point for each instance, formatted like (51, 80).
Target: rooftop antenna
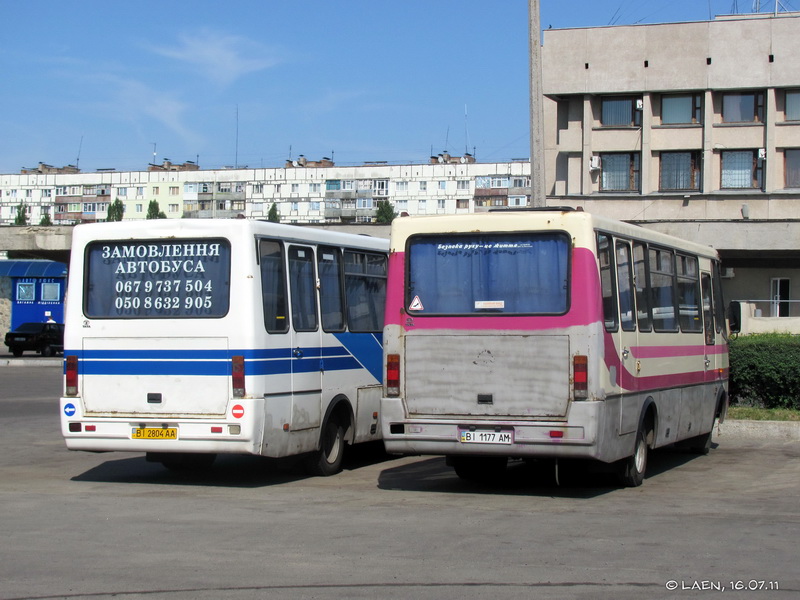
(236, 154)
(154, 153)
(466, 131)
(447, 139)
(78, 160)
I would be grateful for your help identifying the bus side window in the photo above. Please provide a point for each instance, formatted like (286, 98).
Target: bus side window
(273, 287)
(640, 281)
(302, 284)
(605, 258)
(331, 296)
(662, 289)
(627, 304)
(365, 290)
(688, 293)
(708, 311)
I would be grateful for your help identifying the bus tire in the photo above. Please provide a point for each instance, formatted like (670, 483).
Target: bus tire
(484, 469)
(632, 469)
(327, 460)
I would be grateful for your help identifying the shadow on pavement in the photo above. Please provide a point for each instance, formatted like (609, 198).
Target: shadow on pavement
(574, 479)
(227, 471)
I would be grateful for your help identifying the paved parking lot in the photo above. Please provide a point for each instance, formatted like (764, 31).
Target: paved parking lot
(78, 525)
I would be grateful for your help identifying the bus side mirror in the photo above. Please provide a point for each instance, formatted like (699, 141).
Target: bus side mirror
(735, 316)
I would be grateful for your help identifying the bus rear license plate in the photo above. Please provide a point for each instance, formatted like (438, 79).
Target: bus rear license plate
(155, 433)
(487, 437)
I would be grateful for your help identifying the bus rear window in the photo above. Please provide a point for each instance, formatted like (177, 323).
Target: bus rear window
(148, 279)
(488, 273)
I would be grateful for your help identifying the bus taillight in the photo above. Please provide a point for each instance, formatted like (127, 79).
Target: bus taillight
(237, 373)
(580, 380)
(71, 375)
(392, 374)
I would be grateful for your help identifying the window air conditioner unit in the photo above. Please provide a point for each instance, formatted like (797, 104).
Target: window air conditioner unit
(762, 153)
(639, 104)
(594, 163)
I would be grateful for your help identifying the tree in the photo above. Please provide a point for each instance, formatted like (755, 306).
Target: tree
(45, 220)
(22, 215)
(385, 213)
(116, 210)
(273, 216)
(153, 212)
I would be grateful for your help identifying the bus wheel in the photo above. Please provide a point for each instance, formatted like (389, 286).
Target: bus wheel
(632, 468)
(479, 468)
(328, 459)
(184, 461)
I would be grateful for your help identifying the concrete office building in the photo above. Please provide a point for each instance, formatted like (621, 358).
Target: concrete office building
(689, 128)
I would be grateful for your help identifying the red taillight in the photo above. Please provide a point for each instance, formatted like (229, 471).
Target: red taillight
(580, 379)
(71, 375)
(392, 374)
(237, 373)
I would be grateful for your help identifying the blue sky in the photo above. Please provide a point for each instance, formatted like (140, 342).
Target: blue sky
(107, 83)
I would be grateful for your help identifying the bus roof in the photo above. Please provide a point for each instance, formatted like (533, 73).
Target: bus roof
(230, 228)
(534, 220)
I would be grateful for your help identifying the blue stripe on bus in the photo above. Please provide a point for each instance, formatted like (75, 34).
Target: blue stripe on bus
(357, 351)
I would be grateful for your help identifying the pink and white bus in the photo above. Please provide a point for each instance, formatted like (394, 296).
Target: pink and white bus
(549, 334)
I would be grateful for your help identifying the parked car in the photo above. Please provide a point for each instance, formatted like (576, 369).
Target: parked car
(43, 338)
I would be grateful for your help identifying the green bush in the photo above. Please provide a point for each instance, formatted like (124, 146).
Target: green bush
(765, 371)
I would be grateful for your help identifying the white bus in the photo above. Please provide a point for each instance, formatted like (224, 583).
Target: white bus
(189, 338)
(549, 334)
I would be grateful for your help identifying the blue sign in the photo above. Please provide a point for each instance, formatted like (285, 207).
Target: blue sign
(69, 409)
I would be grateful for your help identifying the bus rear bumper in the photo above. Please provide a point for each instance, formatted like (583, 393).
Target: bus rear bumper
(575, 438)
(219, 434)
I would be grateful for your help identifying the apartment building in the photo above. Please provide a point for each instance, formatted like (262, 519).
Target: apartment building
(303, 191)
(689, 128)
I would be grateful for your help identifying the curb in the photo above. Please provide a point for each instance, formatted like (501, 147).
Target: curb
(31, 362)
(763, 430)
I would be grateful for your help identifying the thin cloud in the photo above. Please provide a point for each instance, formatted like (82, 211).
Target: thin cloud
(221, 58)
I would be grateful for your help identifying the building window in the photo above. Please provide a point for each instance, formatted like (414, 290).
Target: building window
(521, 182)
(224, 187)
(401, 204)
(139, 208)
(441, 203)
(380, 187)
(155, 190)
(315, 206)
(792, 167)
(140, 191)
(518, 201)
(348, 184)
(47, 193)
(442, 185)
(792, 108)
(364, 203)
(621, 111)
(258, 188)
(680, 171)
(499, 182)
(25, 292)
(51, 292)
(333, 185)
(462, 184)
(745, 107)
(123, 191)
(173, 208)
(401, 186)
(462, 203)
(423, 186)
(681, 109)
(174, 190)
(314, 188)
(741, 169)
(620, 172)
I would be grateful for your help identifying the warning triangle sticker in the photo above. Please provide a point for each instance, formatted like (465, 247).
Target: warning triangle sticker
(416, 304)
